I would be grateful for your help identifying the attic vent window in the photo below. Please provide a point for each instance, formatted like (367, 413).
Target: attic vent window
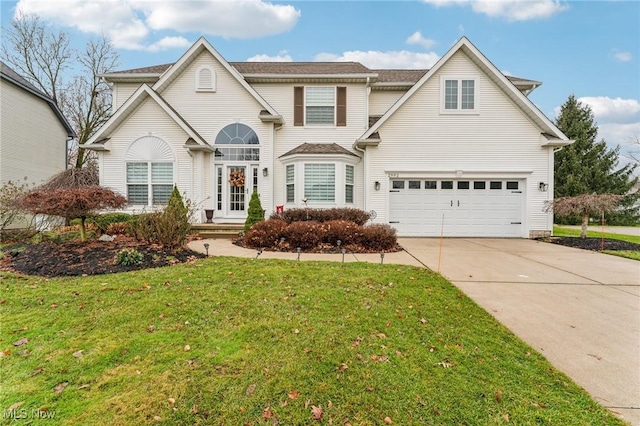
(205, 79)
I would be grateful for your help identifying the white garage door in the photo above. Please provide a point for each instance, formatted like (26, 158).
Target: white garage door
(460, 208)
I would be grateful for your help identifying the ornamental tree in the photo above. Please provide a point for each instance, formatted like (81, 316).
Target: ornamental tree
(255, 213)
(72, 203)
(585, 205)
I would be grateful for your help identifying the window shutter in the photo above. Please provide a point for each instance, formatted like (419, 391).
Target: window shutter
(341, 113)
(298, 106)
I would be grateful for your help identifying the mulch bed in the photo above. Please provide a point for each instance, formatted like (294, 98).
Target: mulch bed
(594, 244)
(94, 257)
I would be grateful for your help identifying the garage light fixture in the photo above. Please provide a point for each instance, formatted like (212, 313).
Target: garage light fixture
(543, 187)
(376, 185)
(265, 172)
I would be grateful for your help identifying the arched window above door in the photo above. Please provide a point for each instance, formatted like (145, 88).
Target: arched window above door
(232, 143)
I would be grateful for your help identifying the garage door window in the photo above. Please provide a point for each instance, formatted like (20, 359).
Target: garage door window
(479, 185)
(512, 185)
(397, 184)
(446, 184)
(414, 184)
(495, 185)
(463, 184)
(430, 184)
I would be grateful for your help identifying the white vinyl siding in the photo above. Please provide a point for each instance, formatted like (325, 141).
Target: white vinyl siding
(320, 105)
(320, 183)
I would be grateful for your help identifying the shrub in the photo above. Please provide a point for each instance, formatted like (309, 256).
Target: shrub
(117, 228)
(265, 234)
(255, 213)
(129, 256)
(378, 237)
(360, 217)
(143, 227)
(305, 235)
(102, 221)
(346, 231)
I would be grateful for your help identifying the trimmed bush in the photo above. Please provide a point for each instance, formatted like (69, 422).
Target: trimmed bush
(118, 228)
(345, 231)
(360, 217)
(255, 213)
(306, 235)
(265, 234)
(378, 237)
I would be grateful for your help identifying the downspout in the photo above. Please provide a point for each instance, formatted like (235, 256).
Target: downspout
(365, 168)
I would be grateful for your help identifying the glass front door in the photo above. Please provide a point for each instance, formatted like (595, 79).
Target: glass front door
(234, 185)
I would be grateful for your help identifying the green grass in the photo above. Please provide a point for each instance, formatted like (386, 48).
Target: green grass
(629, 254)
(269, 340)
(559, 231)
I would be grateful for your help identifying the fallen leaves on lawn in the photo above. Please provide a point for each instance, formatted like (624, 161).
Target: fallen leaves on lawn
(78, 354)
(187, 348)
(251, 389)
(293, 394)
(15, 406)
(317, 412)
(21, 342)
(498, 395)
(267, 413)
(388, 420)
(61, 387)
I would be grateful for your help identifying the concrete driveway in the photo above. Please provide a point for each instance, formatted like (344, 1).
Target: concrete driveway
(580, 309)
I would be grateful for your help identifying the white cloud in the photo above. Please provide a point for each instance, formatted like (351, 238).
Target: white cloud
(282, 56)
(613, 110)
(418, 38)
(130, 23)
(383, 60)
(623, 56)
(511, 10)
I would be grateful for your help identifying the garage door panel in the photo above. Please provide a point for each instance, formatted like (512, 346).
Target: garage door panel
(460, 208)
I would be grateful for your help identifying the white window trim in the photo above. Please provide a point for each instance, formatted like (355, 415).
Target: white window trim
(339, 161)
(199, 87)
(148, 149)
(459, 110)
(149, 183)
(335, 108)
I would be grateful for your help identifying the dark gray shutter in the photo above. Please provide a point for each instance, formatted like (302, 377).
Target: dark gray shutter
(298, 106)
(341, 104)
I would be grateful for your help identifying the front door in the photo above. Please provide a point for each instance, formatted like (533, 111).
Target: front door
(234, 186)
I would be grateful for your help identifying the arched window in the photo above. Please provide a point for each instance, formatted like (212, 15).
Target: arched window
(149, 164)
(232, 143)
(205, 79)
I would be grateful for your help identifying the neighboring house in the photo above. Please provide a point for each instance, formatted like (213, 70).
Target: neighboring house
(457, 149)
(33, 132)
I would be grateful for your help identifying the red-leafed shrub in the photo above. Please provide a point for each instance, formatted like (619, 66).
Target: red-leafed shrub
(378, 237)
(306, 235)
(265, 234)
(360, 217)
(345, 231)
(117, 228)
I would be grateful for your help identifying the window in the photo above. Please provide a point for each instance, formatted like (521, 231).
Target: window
(348, 184)
(446, 184)
(205, 79)
(430, 184)
(315, 105)
(239, 143)
(463, 184)
(149, 171)
(291, 187)
(459, 95)
(149, 178)
(479, 185)
(320, 182)
(495, 184)
(512, 185)
(397, 184)
(414, 184)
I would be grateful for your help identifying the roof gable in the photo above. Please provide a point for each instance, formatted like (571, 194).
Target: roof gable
(143, 93)
(506, 85)
(194, 51)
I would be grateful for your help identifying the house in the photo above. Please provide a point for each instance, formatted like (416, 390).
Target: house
(458, 149)
(33, 131)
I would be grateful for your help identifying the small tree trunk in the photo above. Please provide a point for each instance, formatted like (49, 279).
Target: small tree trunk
(83, 230)
(585, 223)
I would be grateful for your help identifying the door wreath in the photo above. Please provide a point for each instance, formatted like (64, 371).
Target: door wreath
(236, 178)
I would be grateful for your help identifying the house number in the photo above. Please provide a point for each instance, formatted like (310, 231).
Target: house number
(393, 175)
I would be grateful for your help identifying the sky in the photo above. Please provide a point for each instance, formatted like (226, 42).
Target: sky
(590, 49)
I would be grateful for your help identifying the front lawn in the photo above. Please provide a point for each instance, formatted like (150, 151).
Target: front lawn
(236, 341)
(610, 239)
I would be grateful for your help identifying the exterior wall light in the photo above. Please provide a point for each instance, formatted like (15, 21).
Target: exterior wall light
(543, 187)
(376, 185)
(265, 172)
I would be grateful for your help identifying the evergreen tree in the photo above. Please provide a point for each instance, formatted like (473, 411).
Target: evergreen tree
(588, 166)
(255, 213)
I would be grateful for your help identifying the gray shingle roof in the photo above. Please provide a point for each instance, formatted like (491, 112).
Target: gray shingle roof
(319, 148)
